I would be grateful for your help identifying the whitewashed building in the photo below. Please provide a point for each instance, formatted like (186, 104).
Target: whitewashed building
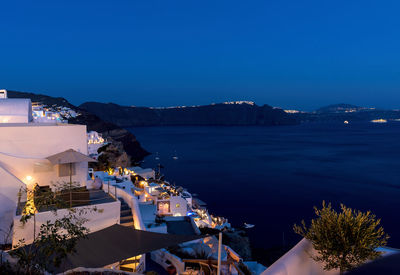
(95, 141)
(24, 149)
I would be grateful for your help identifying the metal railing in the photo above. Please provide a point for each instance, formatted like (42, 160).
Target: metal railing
(62, 203)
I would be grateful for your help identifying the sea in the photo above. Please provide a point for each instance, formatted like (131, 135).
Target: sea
(272, 177)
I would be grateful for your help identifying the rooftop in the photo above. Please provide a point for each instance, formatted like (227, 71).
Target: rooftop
(33, 124)
(183, 226)
(148, 212)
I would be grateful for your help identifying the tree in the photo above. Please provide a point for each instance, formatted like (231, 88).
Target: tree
(53, 243)
(55, 239)
(343, 240)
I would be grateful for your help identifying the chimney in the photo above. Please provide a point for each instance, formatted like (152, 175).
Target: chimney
(3, 94)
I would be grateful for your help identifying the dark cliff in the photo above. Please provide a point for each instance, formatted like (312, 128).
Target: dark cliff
(216, 114)
(94, 123)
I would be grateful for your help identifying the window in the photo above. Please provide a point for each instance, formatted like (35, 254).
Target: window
(177, 205)
(163, 207)
(64, 170)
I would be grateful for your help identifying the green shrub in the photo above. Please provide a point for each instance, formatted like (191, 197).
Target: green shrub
(343, 240)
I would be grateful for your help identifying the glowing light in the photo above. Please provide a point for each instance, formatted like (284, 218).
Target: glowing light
(381, 120)
(30, 204)
(29, 178)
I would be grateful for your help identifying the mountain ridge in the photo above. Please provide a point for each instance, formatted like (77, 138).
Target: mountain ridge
(221, 114)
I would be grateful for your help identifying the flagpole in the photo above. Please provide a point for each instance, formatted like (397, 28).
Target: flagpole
(219, 252)
(70, 184)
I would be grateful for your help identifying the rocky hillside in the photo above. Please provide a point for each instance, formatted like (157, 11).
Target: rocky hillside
(109, 130)
(215, 114)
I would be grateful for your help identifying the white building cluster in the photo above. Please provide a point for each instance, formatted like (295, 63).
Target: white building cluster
(46, 154)
(95, 141)
(22, 110)
(58, 114)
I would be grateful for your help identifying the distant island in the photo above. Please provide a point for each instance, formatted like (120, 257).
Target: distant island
(241, 113)
(111, 120)
(346, 112)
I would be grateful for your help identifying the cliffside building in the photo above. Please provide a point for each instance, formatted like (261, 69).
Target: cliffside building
(24, 148)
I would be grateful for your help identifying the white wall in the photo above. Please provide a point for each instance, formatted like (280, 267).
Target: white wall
(143, 172)
(297, 261)
(24, 148)
(107, 214)
(10, 186)
(173, 209)
(160, 256)
(182, 209)
(15, 110)
(133, 204)
(92, 148)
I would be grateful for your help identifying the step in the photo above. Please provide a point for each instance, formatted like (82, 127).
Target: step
(125, 207)
(128, 224)
(125, 262)
(126, 219)
(127, 269)
(126, 212)
(122, 201)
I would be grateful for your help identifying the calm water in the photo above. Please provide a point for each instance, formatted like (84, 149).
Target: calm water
(273, 176)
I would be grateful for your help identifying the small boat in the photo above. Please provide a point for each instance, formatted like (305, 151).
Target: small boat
(248, 226)
(157, 157)
(381, 120)
(175, 157)
(346, 122)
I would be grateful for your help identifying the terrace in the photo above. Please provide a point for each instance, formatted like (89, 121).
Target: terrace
(66, 198)
(99, 208)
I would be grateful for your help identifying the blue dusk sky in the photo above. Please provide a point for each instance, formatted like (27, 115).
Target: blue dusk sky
(287, 53)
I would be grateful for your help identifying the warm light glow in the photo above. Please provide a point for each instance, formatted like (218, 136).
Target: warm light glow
(144, 183)
(110, 171)
(30, 204)
(29, 178)
(381, 120)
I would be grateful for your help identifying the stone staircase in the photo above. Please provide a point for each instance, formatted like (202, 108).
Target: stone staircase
(126, 218)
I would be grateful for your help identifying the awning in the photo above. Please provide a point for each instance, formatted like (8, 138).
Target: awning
(116, 243)
(69, 156)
